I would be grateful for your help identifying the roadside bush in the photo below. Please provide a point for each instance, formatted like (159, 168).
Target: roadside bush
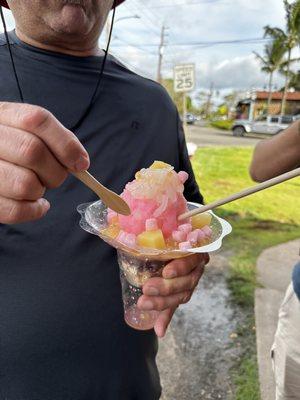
(225, 125)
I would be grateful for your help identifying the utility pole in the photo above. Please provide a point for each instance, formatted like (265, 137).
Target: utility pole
(107, 28)
(184, 98)
(161, 52)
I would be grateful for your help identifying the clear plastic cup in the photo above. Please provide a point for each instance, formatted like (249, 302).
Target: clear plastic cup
(134, 272)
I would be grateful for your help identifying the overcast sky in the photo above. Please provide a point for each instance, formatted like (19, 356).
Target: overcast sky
(228, 66)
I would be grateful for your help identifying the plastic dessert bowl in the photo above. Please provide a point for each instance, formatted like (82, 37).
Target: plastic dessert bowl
(139, 264)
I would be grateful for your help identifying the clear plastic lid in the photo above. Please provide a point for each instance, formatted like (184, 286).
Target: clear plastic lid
(94, 220)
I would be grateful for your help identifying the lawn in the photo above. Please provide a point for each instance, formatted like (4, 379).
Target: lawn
(259, 221)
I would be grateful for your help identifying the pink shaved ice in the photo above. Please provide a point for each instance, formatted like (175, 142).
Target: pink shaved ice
(165, 212)
(151, 224)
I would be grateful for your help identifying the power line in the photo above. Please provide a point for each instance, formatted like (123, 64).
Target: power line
(134, 68)
(137, 9)
(170, 30)
(127, 44)
(184, 4)
(211, 43)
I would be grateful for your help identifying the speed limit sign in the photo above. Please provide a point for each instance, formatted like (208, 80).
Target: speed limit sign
(184, 78)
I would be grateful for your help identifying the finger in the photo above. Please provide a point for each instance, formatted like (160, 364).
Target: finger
(163, 321)
(158, 303)
(63, 143)
(13, 211)
(184, 266)
(167, 287)
(19, 183)
(27, 150)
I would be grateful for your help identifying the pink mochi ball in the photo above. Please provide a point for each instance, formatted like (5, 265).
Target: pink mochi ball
(179, 236)
(185, 246)
(207, 231)
(186, 228)
(130, 240)
(192, 237)
(201, 235)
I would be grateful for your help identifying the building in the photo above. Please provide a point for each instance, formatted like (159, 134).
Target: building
(256, 104)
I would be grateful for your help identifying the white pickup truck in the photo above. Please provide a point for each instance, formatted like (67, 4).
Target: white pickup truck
(270, 125)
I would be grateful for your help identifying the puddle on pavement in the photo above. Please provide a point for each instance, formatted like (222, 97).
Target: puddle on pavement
(196, 356)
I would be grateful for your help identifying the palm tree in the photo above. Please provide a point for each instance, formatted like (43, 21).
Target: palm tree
(271, 61)
(289, 39)
(295, 80)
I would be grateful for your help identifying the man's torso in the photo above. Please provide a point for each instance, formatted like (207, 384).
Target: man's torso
(62, 333)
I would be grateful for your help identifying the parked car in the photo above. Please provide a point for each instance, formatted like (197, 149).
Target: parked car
(190, 119)
(270, 125)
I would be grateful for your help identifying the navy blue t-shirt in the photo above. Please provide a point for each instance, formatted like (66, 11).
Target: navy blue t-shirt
(62, 332)
(296, 280)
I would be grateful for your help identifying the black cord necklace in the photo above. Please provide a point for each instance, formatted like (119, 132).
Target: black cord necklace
(99, 80)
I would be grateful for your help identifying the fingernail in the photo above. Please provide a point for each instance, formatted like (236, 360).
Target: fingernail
(161, 333)
(147, 305)
(151, 291)
(82, 163)
(170, 274)
(45, 205)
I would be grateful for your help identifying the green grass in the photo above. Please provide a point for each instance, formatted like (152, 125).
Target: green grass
(247, 380)
(259, 221)
(225, 125)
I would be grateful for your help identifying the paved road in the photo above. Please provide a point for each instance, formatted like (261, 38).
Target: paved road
(203, 136)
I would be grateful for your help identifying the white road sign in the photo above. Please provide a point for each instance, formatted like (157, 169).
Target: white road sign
(184, 78)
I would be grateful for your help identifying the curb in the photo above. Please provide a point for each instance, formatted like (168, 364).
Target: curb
(274, 269)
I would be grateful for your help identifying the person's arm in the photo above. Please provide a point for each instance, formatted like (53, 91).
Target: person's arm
(275, 156)
(191, 191)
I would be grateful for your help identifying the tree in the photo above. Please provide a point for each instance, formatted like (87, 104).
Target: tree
(272, 60)
(177, 97)
(295, 80)
(289, 39)
(231, 101)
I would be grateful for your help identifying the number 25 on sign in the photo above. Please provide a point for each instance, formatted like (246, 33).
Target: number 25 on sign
(184, 78)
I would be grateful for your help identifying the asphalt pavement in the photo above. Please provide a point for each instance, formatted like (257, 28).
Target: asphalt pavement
(205, 136)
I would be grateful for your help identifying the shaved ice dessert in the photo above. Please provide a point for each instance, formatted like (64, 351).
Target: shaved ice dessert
(152, 235)
(156, 200)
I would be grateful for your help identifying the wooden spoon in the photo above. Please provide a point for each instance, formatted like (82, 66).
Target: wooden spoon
(243, 193)
(109, 198)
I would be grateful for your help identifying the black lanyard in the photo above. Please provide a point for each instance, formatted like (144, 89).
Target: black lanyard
(99, 80)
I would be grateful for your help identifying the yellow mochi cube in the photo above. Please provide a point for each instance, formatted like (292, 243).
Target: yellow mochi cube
(112, 231)
(201, 220)
(152, 239)
(159, 165)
